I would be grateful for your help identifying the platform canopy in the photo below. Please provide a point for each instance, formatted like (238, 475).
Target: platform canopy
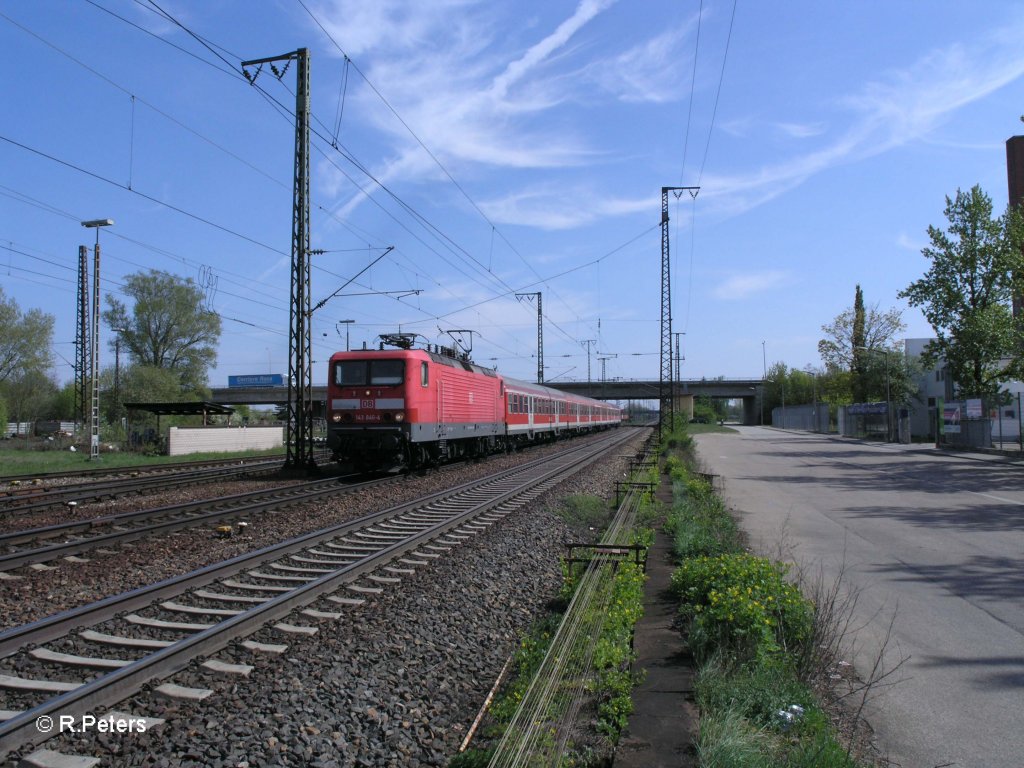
(199, 408)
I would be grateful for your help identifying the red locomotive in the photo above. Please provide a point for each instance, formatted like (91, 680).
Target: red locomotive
(408, 408)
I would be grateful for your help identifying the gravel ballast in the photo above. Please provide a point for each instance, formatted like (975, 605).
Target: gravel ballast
(395, 682)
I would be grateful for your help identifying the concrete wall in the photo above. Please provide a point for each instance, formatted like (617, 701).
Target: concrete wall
(182, 440)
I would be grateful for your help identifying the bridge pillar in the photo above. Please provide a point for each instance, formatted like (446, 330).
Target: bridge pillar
(752, 410)
(683, 406)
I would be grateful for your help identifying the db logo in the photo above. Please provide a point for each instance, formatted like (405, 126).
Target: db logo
(366, 404)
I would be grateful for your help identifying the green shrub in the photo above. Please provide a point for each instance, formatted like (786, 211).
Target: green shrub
(472, 758)
(740, 603)
(614, 650)
(528, 658)
(701, 525)
(726, 740)
(756, 690)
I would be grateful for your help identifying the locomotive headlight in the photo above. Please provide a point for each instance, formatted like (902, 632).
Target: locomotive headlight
(399, 417)
(336, 417)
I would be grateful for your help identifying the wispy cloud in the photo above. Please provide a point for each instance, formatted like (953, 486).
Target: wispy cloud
(905, 241)
(747, 284)
(902, 107)
(801, 130)
(548, 207)
(518, 69)
(647, 72)
(465, 91)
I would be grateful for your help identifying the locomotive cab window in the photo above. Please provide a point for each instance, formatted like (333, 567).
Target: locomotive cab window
(387, 372)
(350, 373)
(360, 373)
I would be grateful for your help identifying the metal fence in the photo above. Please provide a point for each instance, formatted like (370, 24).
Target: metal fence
(807, 418)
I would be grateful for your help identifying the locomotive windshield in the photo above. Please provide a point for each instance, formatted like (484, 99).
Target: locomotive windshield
(361, 373)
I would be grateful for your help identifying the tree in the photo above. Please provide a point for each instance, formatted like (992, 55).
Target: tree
(967, 292)
(25, 339)
(851, 339)
(168, 328)
(858, 341)
(29, 394)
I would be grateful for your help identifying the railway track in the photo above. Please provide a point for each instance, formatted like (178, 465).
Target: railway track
(94, 656)
(37, 545)
(129, 470)
(79, 493)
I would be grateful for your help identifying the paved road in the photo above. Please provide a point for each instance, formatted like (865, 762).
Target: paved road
(935, 538)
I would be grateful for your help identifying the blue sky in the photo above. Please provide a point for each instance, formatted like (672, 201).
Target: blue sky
(523, 147)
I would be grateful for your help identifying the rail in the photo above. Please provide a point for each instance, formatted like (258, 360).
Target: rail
(405, 529)
(542, 725)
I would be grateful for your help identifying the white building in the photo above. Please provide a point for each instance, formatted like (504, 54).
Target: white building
(933, 384)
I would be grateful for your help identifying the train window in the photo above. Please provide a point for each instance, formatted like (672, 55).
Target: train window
(387, 372)
(424, 375)
(350, 373)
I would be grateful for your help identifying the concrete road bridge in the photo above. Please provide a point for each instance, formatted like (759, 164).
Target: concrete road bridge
(747, 390)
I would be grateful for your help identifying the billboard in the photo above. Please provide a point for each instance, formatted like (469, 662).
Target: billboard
(257, 380)
(951, 418)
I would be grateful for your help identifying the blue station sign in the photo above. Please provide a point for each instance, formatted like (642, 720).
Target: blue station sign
(257, 380)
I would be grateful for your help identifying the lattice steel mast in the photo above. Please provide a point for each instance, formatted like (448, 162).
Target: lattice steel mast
(666, 393)
(82, 338)
(299, 453)
(540, 333)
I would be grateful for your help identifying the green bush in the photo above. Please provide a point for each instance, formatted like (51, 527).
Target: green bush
(699, 522)
(742, 604)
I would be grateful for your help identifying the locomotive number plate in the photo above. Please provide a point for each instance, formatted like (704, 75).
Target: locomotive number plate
(367, 403)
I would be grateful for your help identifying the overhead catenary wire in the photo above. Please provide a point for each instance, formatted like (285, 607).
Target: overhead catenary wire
(693, 83)
(433, 157)
(718, 93)
(398, 258)
(284, 111)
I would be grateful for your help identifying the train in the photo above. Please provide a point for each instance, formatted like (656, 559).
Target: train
(406, 409)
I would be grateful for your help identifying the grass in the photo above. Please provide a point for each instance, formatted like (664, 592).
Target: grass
(584, 512)
(703, 429)
(24, 461)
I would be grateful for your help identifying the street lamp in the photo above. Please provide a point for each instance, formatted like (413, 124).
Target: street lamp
(764, 377)
(347, 324)
(94, 440)
(817, 421)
